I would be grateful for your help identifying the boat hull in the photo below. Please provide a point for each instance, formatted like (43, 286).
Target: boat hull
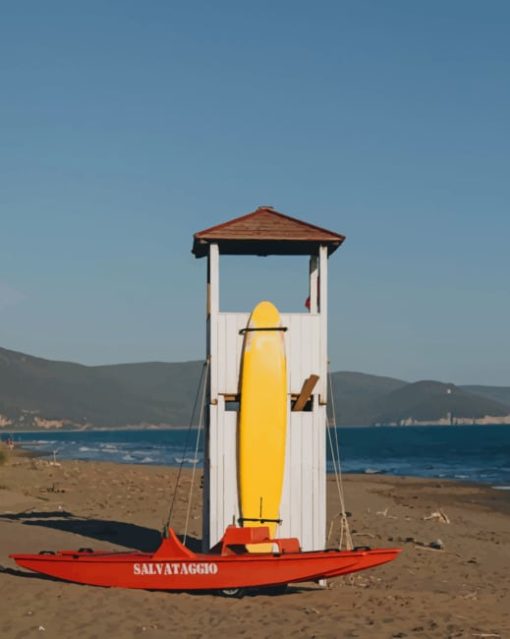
(201, 572)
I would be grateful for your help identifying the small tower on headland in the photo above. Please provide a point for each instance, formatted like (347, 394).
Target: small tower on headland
(303, 507)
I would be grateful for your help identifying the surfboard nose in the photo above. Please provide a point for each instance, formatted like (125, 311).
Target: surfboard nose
(265, 314)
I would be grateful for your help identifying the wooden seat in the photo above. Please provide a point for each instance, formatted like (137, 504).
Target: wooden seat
(235, 540)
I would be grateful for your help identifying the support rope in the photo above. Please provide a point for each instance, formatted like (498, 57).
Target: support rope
(195, 456)
(335, 455)
(201, 384)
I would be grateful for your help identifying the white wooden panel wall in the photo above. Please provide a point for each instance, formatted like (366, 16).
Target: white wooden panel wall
(225, 368)
(303, 342)
(303, 507)
(224, 503)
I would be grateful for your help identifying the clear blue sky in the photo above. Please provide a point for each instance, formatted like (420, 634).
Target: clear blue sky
(127, 126)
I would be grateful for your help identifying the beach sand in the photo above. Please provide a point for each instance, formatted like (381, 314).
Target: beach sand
(460, 591)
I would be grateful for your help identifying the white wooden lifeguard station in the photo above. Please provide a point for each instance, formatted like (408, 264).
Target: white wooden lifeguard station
(303, 507)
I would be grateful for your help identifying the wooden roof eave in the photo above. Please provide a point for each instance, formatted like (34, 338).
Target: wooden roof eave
(262, 247)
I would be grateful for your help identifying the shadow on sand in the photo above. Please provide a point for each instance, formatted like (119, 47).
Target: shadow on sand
(120, 533)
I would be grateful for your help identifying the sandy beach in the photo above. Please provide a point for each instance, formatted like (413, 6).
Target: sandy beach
(461, 590)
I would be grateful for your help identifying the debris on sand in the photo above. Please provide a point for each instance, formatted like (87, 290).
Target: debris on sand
(438, 515)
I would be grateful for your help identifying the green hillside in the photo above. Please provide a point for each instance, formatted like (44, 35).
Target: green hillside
(430, 400)
(121, 395)
(33, 389)
(355, 395)
(499, 394)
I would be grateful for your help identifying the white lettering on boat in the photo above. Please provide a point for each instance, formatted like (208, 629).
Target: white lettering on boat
(184, 568)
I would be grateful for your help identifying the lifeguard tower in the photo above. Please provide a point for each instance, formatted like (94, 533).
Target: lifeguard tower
(303, 507)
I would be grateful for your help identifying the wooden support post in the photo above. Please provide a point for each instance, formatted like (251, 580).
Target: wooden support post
(213, 307)
(306, 392)
(314, 284)
(323, 305)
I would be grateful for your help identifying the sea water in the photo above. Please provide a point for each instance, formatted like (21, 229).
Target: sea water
(465, 453)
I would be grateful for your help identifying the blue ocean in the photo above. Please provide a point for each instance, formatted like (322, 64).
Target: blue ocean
(466, 453)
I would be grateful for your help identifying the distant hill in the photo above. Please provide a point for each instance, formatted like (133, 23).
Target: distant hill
(356, 396)
(32, 388)
(362, 399)
(499, 394)
(40, 393)
(431, 401)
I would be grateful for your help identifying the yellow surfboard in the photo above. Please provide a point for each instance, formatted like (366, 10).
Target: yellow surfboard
(262, 420)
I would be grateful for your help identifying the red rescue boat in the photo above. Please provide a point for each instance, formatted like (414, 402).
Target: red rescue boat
(228, 567)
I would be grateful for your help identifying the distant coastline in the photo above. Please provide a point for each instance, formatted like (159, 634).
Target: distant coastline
(488, 420)
(66, 427)
(406, 423)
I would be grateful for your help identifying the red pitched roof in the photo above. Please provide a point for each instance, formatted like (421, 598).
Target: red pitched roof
(266, 232)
